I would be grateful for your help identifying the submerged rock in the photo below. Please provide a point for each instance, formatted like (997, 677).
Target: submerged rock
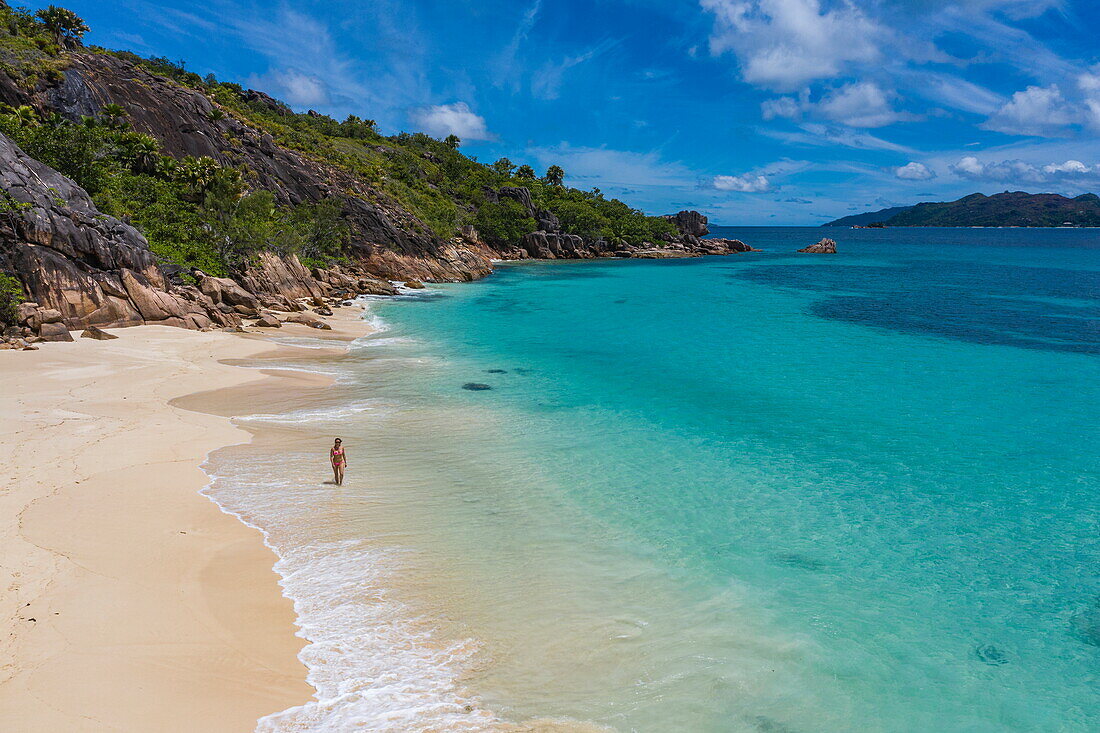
(476, 386)
(1086, 624)
(497, 371)
(991, 655)
(825, 246)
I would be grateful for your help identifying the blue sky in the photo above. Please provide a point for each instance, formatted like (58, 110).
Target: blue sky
(752, 111)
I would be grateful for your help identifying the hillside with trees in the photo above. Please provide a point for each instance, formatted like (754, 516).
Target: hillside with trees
(1008, 209)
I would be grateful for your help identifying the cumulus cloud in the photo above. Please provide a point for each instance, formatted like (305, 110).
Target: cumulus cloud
(783, 44)
(1038, 111)
(1019, 171)
(860, 104)
(788, 107)
(441, 120)
(1089, 84)
(744, 183)
(914, 172)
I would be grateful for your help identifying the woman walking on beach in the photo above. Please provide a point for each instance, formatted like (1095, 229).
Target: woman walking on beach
(339, 461)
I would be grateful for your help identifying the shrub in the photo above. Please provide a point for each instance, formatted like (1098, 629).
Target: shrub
(11, 295)
(503, 223)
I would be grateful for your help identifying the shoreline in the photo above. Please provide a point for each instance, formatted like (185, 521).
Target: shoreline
(133, 605)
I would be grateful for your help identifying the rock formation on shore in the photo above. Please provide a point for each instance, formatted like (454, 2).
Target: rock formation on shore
(824, 246)
(80, 268)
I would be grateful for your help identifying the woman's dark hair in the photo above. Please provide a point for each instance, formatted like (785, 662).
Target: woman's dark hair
(339, 441)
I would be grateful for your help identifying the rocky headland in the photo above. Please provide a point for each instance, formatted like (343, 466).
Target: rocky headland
(77, 266)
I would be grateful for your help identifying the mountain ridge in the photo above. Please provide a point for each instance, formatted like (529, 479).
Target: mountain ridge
(1007, 209)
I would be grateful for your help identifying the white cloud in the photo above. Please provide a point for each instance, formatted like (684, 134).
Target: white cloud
(745, 183)
(451, 119)
(546, 82)
(914, 172)
(1070, 167)
(781, 107)
(1089, 84)
(606, 166)
(860, 104)
(294, 88)
(1038, 111)
(819, 135)
(1020, 171)
(785, 43)
(958, 93)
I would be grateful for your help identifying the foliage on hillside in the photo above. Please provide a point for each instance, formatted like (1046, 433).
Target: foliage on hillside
(29, 50)
(196, 213)
(1009, 209)
(431, 178)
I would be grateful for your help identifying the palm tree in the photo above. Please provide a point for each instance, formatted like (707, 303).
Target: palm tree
(63, 24)
(114, 115)
(24, 115)
(142, 153)
(525, 171)
(198, 173)
(452, 142)
(554, 175)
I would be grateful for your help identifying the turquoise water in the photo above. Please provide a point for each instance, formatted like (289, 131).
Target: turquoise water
(888, 455)
(768, 492)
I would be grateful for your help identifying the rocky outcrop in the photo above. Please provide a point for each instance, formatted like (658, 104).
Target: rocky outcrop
(691, 223)
(89, 268)
(386, 237)
(541, 245)
(824, 246)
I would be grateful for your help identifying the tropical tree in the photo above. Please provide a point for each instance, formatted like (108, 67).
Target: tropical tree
(554, 175)
(504, 167)
(62, 24)
(114, 116)
(452, 141)
(525, 171)
(140, 152)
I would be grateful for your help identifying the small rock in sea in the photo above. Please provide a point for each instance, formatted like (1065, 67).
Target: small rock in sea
(991, 655)
(825, 246)
(414, 284)
(496, 371)
(476, 386)
(91, 332)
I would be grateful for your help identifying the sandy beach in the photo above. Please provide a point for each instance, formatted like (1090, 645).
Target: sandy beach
(130, 601)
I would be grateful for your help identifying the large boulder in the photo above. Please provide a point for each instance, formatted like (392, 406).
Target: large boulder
(222, 290)
(824, 246)
(56, 331)
(521, 194)
(72, 259)
(690, 222)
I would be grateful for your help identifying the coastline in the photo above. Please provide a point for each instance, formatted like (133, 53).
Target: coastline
(132, 600)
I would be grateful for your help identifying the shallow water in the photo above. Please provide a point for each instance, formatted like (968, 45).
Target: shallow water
(770, 492)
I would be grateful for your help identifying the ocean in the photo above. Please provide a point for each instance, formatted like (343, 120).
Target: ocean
(765, 492)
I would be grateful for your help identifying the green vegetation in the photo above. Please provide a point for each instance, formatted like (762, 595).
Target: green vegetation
(11, 295)
(194, 212)
(29, 49)
(430, 178)
(503, 222)
(1008, 209)
(199, 213)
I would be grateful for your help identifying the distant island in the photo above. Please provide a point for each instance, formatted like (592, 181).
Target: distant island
(1008, 209)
